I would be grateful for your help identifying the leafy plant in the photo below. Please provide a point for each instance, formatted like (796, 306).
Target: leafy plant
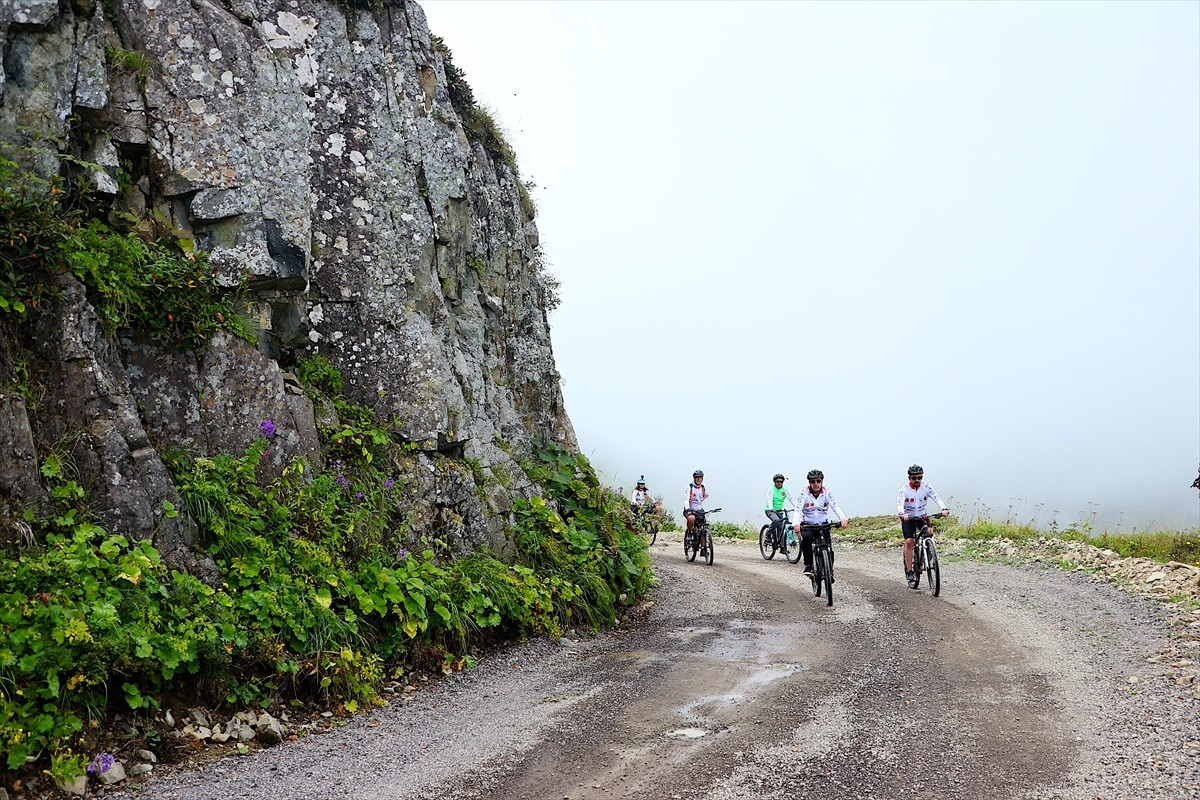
(134, 284)
(317, 373)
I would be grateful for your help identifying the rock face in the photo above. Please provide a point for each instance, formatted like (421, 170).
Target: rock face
(312, 149)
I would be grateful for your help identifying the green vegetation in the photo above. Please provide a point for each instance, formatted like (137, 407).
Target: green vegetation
(478, 265)
(132, 61)
(318, 374)
(733, 530)
(1158, 545)
(1161, 546)
(325, 589)
(158, 286)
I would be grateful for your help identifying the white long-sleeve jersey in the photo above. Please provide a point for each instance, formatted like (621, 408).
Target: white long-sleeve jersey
(913, 502)
(814, 509)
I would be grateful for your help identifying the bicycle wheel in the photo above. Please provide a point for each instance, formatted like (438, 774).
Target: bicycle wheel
(794, 553)
(916, 569)
(766, 542)
(708, 545)
(817, 580)
(689, 546)
(932, 571)
(653, 532)
(827, 575)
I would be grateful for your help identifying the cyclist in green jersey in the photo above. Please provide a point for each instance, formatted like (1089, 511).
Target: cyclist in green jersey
(778, 499)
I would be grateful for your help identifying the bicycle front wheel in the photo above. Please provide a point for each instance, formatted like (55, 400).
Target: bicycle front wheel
(793, 545)
(653, 532)
(916, 569)
(689, 546)
(932, 572)
(827, 575)
(708, 546)
(766, 542)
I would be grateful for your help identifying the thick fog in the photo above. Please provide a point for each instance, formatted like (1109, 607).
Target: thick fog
(855, 236)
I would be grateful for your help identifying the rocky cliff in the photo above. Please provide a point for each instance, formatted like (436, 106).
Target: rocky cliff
(358, 211)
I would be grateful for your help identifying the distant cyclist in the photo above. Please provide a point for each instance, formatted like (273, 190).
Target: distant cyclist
(778, 499)
(911, 503)
(815, 504)
(695, 500)
(641, 503)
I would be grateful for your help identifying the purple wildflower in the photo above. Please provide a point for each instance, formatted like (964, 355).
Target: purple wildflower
(403, 554)
(358, 495)
(342, 481)
(267, 429)
(389, 483)
(101, 763)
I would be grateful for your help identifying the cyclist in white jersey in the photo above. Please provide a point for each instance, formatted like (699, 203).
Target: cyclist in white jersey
(912, 504)
(695, 499)
(815, 503)
(641, 502)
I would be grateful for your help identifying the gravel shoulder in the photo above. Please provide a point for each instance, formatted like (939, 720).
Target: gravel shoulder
(735, 682)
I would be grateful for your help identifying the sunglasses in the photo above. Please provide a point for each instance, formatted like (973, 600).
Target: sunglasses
(817, 480)
(779, 480)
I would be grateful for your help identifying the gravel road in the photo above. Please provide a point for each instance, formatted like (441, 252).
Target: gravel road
(735, 682)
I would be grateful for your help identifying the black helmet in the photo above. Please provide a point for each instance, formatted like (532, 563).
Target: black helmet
(915, 471)
(698, 473)
(779, 477)
(813, 474)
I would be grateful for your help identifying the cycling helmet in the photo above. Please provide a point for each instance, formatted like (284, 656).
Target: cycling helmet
(813, 474)
(915, 471)
(698, 473)
(642, 479)
(779, 477)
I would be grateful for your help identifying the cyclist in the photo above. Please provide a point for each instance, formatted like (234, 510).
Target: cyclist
(911, 503)
(778, 498)
(694, 501)
(641, 503)
(815, 504)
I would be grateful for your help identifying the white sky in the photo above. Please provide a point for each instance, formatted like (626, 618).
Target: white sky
(857, 235)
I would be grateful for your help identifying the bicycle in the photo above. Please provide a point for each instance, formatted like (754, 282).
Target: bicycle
(925, 559)
(699, 541)
(645, 519)
(822, 574)
(782, 537)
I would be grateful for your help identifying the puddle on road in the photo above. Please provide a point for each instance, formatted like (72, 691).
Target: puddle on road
(687, 733)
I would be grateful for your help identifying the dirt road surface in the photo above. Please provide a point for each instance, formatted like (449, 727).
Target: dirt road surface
(736, 682)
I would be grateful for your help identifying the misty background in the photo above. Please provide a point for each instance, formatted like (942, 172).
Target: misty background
(855, 236)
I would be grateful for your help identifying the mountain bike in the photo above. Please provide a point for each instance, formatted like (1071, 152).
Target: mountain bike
(699, 541)
(781, 538)
(645, 519)
(822, 574)
(925, 559)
